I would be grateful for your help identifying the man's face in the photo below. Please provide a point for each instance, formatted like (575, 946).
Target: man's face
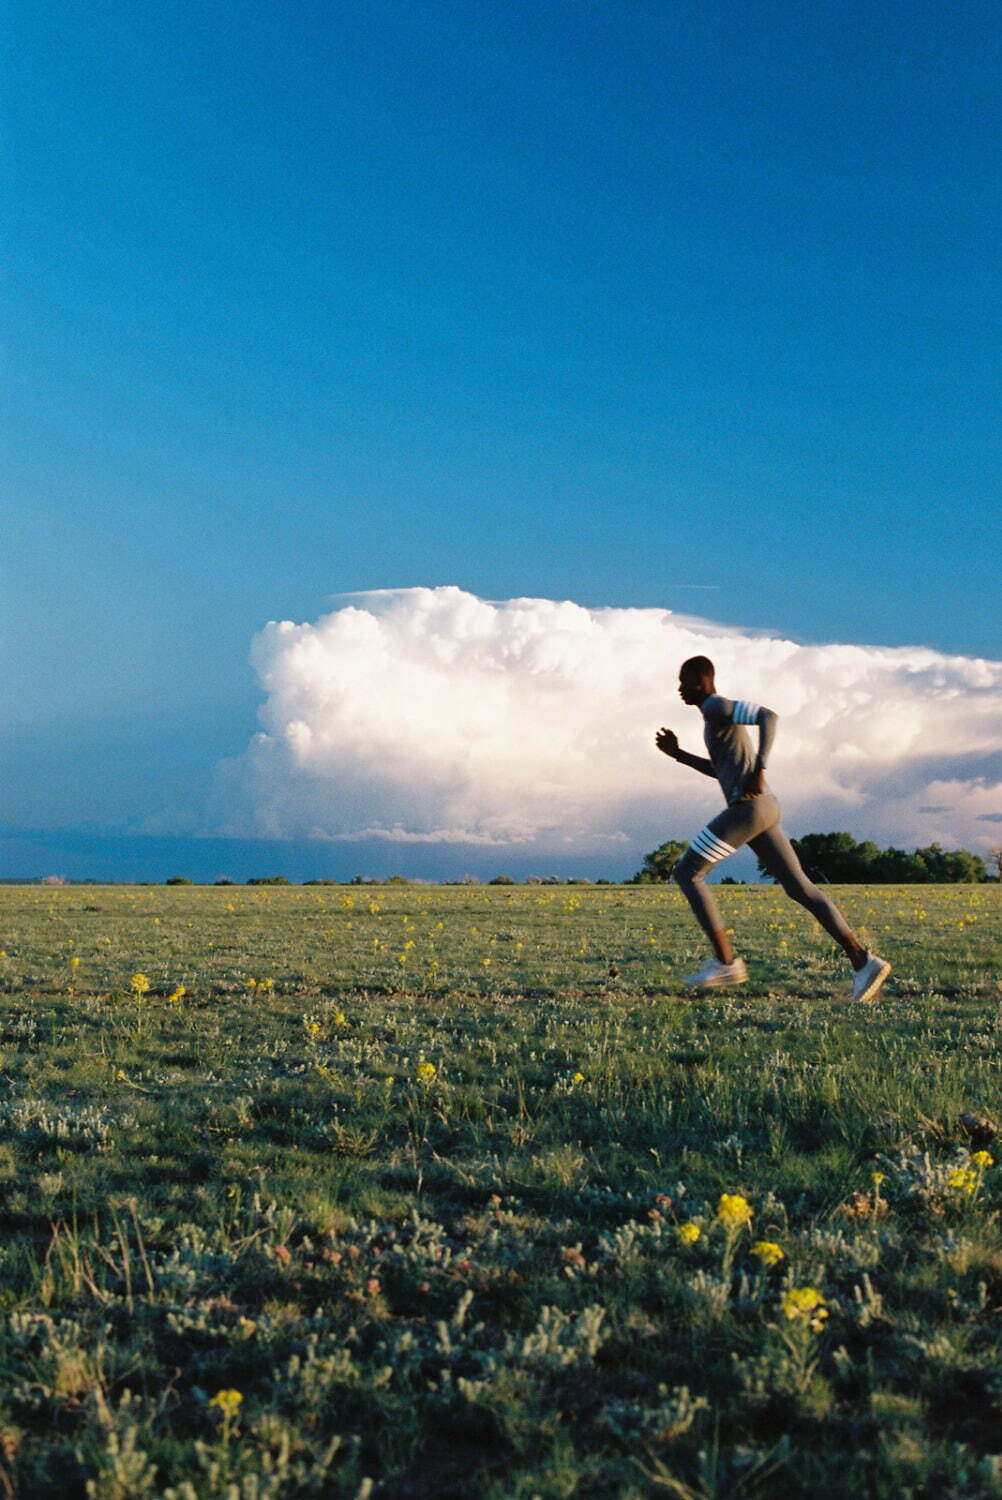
(693, 687)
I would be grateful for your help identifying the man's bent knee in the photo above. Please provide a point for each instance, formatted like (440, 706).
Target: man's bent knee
(687, 871)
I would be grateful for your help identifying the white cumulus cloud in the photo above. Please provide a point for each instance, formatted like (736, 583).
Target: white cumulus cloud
(428, 715)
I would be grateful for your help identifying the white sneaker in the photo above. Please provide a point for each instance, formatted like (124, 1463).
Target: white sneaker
(867, 980)
(714, 973)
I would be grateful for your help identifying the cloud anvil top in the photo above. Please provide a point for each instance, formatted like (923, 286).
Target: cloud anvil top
(431, 715)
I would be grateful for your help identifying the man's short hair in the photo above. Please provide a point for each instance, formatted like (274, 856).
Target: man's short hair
(697, 666)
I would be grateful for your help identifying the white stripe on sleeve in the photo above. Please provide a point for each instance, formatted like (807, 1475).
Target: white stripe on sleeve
(745, 713)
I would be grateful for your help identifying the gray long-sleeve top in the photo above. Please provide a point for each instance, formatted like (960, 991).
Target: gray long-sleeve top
(730, 749)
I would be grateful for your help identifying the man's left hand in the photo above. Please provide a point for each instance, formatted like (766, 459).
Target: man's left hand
(754, 784)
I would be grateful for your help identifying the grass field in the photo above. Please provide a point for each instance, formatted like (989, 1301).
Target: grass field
(412, 1191)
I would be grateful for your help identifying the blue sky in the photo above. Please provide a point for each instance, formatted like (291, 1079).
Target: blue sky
(634, 304)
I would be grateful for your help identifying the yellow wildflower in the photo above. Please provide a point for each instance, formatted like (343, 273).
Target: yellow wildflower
(982, 1159)
(963, 1180)
(734, 1211)
(768, 1252)
(577, 1078)
(877, 1178)
(140, 984)
(177, 994)
(805, 1302)
(688, 1233)
(228, 1402)
(426, 1072)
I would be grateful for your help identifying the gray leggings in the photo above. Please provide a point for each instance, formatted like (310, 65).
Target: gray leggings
(753, 821)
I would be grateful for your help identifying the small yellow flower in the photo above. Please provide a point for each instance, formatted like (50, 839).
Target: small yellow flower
(982, 1159)
(768, 1252)
(340, 1019)
(74, 963)
(311, 1026)
(963, 1180)
(176, 995)
(140, 984)
(688, 1233)
(877, 1178)
(733, 1211)
(805, 1302)
(228, 1402)
(426, 1072)
(577, 1078)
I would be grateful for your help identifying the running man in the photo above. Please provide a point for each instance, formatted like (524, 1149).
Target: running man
(751, 817)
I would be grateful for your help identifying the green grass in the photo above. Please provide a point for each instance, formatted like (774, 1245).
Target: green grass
(405, 1168)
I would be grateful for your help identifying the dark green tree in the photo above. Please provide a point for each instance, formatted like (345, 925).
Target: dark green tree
(832, 857)
(838, 858)
(952, 866)
(658, 865)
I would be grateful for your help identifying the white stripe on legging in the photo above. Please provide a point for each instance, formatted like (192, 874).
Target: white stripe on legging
(709, 846)
(745, 713)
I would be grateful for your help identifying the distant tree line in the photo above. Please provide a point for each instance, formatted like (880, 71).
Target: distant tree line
(827, 857)
(837, 858)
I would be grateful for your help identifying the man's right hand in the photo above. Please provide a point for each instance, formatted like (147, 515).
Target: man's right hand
(667, 742)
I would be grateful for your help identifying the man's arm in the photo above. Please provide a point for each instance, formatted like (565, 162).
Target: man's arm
(667, 743)
(766, 721)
